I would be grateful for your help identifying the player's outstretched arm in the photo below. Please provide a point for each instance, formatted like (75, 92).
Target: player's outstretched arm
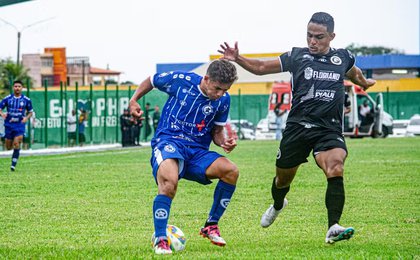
(356, 76)
(228, 144)
(258, 67)
(142, 90)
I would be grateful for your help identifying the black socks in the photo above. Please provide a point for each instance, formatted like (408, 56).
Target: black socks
(278, 195)
(334, 199)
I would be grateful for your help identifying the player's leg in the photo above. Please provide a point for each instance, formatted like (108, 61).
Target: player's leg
(167, 180)
(331, 161)
(227, 173)
(279, 188)
(17, 141)
(293, 151)
(167, 164)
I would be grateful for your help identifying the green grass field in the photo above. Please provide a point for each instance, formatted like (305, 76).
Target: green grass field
(99, 205)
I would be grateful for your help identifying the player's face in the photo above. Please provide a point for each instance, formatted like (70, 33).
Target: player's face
(17, 88)
(213, 89)
(318, 39)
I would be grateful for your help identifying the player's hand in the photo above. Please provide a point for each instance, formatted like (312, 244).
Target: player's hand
(24, 119)
(228, 52)
(229, 145)
(135, 109)
(4, 115)
(369, 83)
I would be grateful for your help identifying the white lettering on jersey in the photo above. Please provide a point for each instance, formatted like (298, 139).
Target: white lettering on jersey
(326, 75)
(308, 57)
(325, 95)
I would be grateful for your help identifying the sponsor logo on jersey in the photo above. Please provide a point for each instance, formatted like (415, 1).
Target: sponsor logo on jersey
(183, 103)
(340, 139)
(326, 75)
(224, 202)
(169, 148)
(161, 75)
(201, 125)
(336, 60)
(323, 59)
(207, 109)
(325, 94)
(161, 213)
(187, 91)
(308, 73)
(308, 57)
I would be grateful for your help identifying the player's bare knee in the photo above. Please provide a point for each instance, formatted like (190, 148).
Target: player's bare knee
(231, 174)
(168, 189)
(336, 169)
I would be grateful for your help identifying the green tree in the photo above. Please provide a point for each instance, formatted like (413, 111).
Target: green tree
(9, 72)
(371, 50)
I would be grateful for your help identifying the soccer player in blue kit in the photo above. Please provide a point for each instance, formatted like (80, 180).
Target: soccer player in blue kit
(193, 116)
(315, 119)
(19, 110)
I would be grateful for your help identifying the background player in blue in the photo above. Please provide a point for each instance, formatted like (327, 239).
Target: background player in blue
(193, 116)
(315, 119)
(19, 110)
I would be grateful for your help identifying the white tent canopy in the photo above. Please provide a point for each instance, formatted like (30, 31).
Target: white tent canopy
(247, 77)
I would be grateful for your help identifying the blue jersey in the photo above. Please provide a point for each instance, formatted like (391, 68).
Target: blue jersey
(16, 110)
(188, 115)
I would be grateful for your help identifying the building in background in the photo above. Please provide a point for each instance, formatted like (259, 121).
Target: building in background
(53, 67)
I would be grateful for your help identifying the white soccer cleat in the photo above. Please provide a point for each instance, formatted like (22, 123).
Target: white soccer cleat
(161, 247)
(213, 234)
(337, 233)
(271, 214)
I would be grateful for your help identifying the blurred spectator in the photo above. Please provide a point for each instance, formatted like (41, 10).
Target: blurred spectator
(125, 122)
(156, 117)
(364, 112)
(82, 125)
(71, 128)
(136, 130)
(147, 118)
(279, 120)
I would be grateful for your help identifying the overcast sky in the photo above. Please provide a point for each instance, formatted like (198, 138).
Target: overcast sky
(132, 36)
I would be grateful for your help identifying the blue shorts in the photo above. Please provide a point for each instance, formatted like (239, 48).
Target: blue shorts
(193, 161)
(12, 132)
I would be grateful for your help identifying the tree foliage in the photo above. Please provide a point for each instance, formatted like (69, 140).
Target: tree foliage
(359, 50)
(9, 72)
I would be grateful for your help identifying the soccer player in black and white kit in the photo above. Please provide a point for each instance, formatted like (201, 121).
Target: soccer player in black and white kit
(315, 119)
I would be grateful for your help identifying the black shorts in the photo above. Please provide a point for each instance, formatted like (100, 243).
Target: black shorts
(71, 135)
(298, 141)
(82, 138)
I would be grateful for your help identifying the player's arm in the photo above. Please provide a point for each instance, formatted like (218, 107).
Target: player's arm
(258, 67)
(26, 118)
(142, 90)
(228, 144)
(356, 76)
(2, 114)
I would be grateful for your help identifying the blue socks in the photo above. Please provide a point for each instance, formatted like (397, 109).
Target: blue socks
(161, 209)
(15, 158)
(222, 195)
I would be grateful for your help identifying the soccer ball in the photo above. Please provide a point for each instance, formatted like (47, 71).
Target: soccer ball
(176, 238)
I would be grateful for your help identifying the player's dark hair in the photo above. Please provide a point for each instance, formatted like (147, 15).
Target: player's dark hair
(323, 19)
(17, 82)
(222, 71)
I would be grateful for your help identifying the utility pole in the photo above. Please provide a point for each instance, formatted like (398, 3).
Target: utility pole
(19, 33)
